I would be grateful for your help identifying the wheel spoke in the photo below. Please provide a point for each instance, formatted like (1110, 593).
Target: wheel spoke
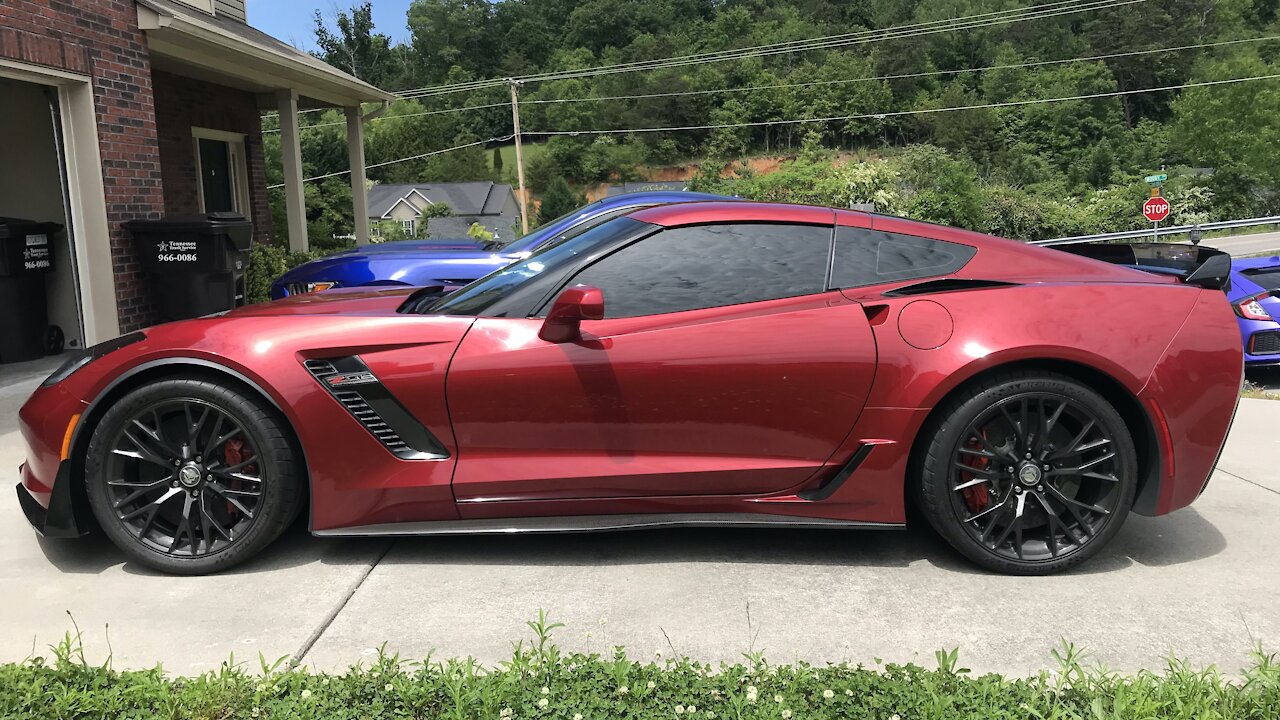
(233, 491)
(976, 452)
(1046, 426)
(155, 435)
(971, 483)
(139, 492)
(143, 451)
(231, 499)
(1073, 502)
(157, 503)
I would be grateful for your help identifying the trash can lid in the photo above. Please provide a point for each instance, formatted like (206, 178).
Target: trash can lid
(180, 223)
(18, 227)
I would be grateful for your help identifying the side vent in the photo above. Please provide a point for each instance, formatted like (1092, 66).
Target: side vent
(945, 285)
(357, 389)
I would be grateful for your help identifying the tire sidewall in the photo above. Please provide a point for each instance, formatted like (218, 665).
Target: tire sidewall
(934, 492)
(276, 468)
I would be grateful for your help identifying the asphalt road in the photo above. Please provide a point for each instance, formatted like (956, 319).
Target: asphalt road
(1246, 245)
(1203, 583)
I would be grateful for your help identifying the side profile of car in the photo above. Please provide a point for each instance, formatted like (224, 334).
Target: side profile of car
(452, 264)
(713, 363)
(1255, 298)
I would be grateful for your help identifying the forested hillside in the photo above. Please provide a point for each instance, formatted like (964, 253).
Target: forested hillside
(1020, 163)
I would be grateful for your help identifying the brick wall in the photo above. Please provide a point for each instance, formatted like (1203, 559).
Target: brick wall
(183, 103)
(102, 39)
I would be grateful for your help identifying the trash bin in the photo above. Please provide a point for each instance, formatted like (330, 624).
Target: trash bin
(195, 263)
(26, 256)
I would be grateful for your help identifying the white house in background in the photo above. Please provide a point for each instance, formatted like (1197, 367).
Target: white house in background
(493, 205)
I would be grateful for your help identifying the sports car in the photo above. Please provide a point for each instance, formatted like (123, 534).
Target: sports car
(452, 263)
(709, 364)
(1255, 296)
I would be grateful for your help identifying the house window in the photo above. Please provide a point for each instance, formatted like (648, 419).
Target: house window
(375, 228)
(222, 172)
(408, 226)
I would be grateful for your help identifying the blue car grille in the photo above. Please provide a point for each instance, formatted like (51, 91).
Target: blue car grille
(1265, 343)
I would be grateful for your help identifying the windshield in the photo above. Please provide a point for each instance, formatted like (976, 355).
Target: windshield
(537, 237)
(552, 258)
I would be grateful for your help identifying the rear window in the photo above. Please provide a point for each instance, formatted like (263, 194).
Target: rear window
(1268, 278)
(871, 257)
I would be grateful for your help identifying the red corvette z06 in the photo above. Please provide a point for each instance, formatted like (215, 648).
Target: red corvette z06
(726, 364)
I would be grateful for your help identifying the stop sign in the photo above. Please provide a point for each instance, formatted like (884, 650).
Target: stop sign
(1155, 209)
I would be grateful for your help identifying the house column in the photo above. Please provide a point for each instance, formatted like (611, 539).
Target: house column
(291, 155)
(359, 191)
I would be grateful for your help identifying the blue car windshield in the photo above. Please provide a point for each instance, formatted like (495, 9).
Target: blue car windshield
(549, 229)
(555, 257)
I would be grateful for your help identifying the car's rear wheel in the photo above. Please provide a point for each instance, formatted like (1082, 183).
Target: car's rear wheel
(191, 476)
(1028, 474)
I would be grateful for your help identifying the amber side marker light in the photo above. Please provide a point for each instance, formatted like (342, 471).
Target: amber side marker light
(66, 439)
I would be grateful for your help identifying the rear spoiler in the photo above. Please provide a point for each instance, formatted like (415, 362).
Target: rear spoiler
(1198, 265)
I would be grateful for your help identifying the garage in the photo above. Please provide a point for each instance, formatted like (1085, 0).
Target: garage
(42, 310)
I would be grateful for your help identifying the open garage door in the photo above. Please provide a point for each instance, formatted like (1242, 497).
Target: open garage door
(41, 289)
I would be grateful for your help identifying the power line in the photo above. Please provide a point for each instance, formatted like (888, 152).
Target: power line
(900, 76)
(876, 116)
(899, 113)
(990, 19)
(397, 117)
(503, 138)
(817, 83)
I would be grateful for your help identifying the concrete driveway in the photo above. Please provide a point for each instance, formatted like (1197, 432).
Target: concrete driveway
(1203, 583)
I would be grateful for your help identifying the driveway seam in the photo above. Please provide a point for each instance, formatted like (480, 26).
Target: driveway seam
(1257, 485)
(333, 614)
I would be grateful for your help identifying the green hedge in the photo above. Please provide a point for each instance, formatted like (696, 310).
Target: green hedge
(268, 262)
(541, 683)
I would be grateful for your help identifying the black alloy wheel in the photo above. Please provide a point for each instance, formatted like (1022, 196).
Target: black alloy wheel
(190, 476)
(1029, 474)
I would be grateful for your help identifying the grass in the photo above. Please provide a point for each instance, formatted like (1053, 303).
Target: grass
(1257, 392)
(542, 683)
(508, 152)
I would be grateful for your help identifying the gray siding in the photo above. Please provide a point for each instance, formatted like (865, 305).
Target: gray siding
(230, 8)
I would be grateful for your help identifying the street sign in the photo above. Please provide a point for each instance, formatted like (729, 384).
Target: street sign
(1156, 178)
(1155, 209)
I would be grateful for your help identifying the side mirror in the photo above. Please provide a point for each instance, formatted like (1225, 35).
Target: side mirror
(564, 321)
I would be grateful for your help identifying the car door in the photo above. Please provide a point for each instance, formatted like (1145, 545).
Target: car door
(722, 366)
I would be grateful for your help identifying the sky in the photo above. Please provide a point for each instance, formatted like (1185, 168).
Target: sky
(291, 20)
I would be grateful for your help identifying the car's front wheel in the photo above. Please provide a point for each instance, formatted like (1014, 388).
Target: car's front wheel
(1028, 474)
(191, 476)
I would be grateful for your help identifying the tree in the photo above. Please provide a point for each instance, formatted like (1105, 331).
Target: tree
(355, 48)
(497, 161)
(558, 200)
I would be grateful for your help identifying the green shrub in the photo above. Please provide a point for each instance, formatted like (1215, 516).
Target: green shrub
(268, 262)
(541, 682)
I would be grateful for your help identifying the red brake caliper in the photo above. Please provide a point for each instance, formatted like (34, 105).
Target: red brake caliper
(976, 497)
(234, 452)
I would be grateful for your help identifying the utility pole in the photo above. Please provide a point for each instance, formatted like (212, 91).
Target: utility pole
(515, 121)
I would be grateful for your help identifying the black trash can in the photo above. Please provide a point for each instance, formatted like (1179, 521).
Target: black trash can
(196, 263)
(26, 256)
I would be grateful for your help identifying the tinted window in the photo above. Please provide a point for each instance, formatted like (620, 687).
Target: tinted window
(710, 266)
(869, 257)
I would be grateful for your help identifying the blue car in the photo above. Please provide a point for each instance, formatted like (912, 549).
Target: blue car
(456, 263)
(1255, 298)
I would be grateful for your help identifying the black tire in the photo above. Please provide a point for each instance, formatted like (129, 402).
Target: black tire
(1000, 483)
(237, 503)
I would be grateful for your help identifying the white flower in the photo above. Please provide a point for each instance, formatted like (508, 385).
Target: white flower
(256, 712)
(651, 684)
(623, 690)
(715, 693)
(693, 709)
(324, 681)
(679, 709)
(546, 690)
(751, 690)
(504, 712)
(711, 715)
(577, 716)
(543, 702)
(777, 698)
(602, 622)
(587, 634)
(849, 692)
(306, 694)
(262, 687)
(786, 715)
(828, 694)
(894, 717)
(388, 687)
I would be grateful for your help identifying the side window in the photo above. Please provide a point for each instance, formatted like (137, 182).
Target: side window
(869, 257)
(711, 266)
